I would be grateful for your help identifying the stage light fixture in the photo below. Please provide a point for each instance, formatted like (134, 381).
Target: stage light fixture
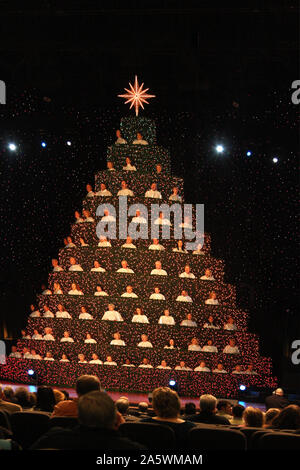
(242, 387)
(275, 160)
(33, 375)
(69, 143)
(220, 148)
(43, 144)
(12, 146)
(249, 153)
(174, 385)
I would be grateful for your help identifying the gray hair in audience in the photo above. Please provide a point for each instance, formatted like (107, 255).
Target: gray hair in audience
(96, 409)
(208, 403)
(143, 406)
(122, 405)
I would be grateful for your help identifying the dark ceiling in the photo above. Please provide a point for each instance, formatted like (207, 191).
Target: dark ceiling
(184, 49)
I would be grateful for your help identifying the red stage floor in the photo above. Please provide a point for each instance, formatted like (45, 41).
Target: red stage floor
(134, 398)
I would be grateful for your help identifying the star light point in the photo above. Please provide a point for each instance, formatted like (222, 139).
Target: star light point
(137, 96)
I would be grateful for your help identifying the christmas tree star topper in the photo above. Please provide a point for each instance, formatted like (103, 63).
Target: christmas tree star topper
(136, 95)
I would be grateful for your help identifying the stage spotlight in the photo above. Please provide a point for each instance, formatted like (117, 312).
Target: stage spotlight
(220, 148)
(43, 144)
(173, 384)
(12, 147)
(249, 153)
(242, 387)
(69, 143)
(33, 375)
(275, 160)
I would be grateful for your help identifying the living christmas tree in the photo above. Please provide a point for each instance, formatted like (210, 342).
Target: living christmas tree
(206, 305)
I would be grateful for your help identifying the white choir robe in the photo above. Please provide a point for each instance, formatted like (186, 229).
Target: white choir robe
(120, 141)
(175, 197)
(194, 347)
(117, 342)
(139, 319)
(48, 314)
(36, 357)
(230, 327)
(104, 193)
(35, 314)
(198, 252)
(217, 371)
(140, 142)
(104, 244)
(129, 245)
(75, 292)
(125, 270)
(129, 167)
(201, 369)
(209, 325)
(145, 344)
(212, 302)
(231, 349)
(156, 247)
(248, 372)
(129, 295)
(108, 218)
(112, 315)
(67, 340)
(190, 323)
(184, 298)
(212, 349)
(179, 250)
(139, 220)
(125, 192)
(158, 272)
(165, 320)
(85, 316)
(187, 275)
(16, 355)
(90, 341)
(75, 267)
(98, 270)
(153, 194)
(157, 297)
(162, 222)
(37, 337)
